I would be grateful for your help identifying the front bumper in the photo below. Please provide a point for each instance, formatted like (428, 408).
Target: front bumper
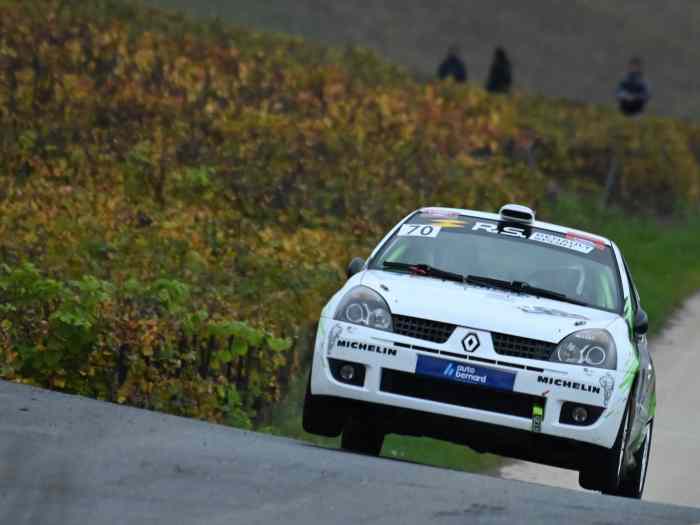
(478, 386)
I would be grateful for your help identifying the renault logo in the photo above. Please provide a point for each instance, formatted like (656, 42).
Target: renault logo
(470, 342)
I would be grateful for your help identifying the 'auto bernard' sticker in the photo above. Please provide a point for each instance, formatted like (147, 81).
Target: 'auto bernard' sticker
(463, 373)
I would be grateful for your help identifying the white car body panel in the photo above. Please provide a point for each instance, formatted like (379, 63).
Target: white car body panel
(480, 311)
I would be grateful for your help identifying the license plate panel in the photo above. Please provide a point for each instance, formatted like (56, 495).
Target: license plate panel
(467, 374)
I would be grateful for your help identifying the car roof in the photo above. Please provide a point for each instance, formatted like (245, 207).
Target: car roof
(536, 224)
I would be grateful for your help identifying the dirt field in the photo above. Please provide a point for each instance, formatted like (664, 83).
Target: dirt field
(574, 49)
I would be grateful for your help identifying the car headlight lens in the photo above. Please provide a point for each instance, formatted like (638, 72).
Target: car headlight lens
(365, 307)
(594, 348)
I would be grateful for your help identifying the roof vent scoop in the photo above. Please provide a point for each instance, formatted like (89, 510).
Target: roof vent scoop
(517, 213)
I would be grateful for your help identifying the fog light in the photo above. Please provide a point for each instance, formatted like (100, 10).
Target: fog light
(347, 372)
(579, 415)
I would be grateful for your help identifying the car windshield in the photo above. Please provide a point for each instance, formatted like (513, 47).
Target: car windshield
(579, 268)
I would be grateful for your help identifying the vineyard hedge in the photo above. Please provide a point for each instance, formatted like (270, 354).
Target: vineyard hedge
(179, 199)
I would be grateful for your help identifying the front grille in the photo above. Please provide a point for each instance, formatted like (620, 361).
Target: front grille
(512, 345)
(460, 394)
(434, 331)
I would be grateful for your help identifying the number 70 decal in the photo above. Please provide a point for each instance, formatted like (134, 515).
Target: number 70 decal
(418, 230)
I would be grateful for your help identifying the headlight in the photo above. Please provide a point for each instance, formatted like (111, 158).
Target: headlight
(594, 348)
(365, 307)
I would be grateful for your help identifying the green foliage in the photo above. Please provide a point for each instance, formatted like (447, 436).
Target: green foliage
(138, 344)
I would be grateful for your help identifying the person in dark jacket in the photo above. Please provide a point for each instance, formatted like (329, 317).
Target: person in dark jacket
(633, 92)
(453, 66)
(501, 73)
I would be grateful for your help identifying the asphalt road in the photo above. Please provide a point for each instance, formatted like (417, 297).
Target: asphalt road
(68, 460)
(674, 469)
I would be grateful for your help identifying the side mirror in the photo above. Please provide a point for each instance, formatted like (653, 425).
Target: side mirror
(355, 266)
(641, 322)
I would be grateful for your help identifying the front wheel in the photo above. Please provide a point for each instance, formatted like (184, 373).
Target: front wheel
(606, 472)
(321, 414)
(363, 437)
(633, 484)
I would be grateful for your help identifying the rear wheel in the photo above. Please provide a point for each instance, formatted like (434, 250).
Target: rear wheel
(633, 484)
(363, 437)
(321, 415)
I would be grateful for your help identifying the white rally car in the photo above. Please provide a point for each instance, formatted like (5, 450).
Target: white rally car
(496, 331)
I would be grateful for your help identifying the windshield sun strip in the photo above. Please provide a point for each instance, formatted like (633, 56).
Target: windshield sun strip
(419, 217)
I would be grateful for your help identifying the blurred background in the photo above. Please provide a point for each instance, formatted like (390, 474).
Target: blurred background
(574, 49)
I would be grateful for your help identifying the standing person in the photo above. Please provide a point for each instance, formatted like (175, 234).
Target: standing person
(453, 66)
(633, 92)
(501, 73)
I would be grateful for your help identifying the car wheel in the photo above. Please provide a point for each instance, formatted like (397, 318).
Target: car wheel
(321, 414)
(633, 484)
(606, 471)
(363, 437)
(614, 464)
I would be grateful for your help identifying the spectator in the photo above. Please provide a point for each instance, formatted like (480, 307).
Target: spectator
(633, 92)
(500, 74)
(453, 66)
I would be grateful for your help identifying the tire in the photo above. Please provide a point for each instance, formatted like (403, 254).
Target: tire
(606, 471)
(322, 415)
(362, 437)
(634, 482)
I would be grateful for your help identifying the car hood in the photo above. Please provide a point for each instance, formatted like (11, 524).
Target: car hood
(483, 308)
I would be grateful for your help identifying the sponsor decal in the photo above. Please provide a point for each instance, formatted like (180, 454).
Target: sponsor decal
(333, 337)
(575, 243)
(607, 383)
(440, 212)
(551, 311)
(580, 246)
(470, 342)
(367, 347)
(419, 230)
(564, 383)
(461, 373)
(631, 373)
(511, 231)
(598, 243)
(449, 223)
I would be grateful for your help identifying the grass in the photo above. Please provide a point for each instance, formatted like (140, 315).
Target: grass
(663, 259)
